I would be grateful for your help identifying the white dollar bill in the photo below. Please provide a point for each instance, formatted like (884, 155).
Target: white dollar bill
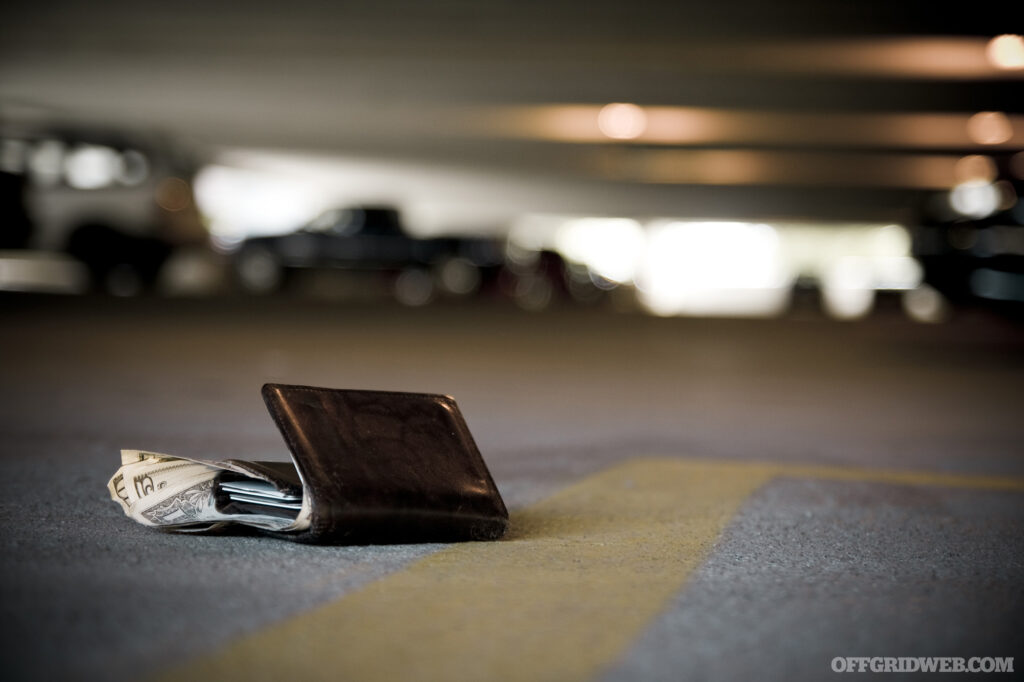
(181, 494)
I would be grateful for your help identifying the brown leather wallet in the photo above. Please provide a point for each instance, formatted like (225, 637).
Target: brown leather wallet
(380, 467)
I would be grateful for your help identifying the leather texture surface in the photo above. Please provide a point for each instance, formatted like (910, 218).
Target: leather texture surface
(384, 467)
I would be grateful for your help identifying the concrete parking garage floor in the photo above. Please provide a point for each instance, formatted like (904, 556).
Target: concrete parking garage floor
(690, 499)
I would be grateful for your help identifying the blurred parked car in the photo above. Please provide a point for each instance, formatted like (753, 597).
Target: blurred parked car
(119, 203)
(371, 239)
(971, 242)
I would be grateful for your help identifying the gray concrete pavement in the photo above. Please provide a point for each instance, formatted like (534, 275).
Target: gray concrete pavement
(811, 570)
(806, 571)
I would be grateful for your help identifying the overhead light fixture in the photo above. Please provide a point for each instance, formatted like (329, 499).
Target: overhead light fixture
(975, 167)
(622, 121)
(1006, 52)
(989, 127)
(975, 199)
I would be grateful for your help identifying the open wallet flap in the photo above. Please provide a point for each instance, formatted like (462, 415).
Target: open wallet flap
(381, 467)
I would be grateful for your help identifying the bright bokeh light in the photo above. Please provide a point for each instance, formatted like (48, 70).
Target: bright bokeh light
(889, 261)
(713, 268)
(975, 198)
(92, 167)
(242, 202)
(847, 290)
(610, 247)
(732, 268)
(989, 127)
(622, 121)
(889, 240)
(925, 304)
(45, 162)
(535, 232)
(975, 167)
(1006, 52)
(852, 262)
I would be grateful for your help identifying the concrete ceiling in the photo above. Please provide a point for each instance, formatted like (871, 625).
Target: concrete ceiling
(466, 86)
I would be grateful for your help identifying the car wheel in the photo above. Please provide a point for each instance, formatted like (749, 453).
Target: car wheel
(533, 292)
(123, 280)
(259, 271)
(414, 287)
(459, 276)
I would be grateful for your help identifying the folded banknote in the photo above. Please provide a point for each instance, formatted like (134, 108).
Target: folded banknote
(194, 495)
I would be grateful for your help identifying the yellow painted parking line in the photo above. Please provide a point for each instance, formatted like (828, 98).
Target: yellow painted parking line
(563, 596)
(923, 478)
(577, 579)
(888, 476)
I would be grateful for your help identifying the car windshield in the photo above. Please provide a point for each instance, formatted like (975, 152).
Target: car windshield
(336, 221)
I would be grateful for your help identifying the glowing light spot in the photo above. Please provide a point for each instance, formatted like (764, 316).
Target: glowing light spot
(847, 288)
(241, 201)
(92, 167)
(1006, 52)
(713, 268)
(610, 247)
(989, 127)
(975, 167)
(925, 304)
(621, 121)
(46, 161)
(975, 199)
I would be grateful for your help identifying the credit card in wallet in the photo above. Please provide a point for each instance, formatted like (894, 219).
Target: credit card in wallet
(260, 493)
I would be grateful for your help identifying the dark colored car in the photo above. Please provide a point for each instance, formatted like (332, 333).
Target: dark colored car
(370, 239)
(977, 260)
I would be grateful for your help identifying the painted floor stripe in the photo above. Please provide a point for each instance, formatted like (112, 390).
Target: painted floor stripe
(563, 596)
(889, 476)
(570, 588)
